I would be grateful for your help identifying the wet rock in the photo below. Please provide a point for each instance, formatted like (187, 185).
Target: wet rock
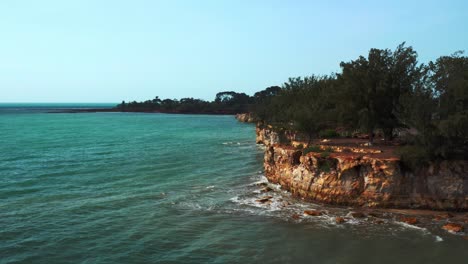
(296, 216)
(374, 214)
(312, 213)
(284, 204)
(379, 221)
(266, 189)
(453, 227)
(443, 216)
(265, 199)
(447, 215)
(262, 184)
(340, 220)
(358, 214)
(409, 220)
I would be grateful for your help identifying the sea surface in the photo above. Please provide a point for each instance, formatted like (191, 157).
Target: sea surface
(157, 188)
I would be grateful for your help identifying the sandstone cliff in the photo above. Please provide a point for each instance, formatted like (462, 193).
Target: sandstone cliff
(358, 177)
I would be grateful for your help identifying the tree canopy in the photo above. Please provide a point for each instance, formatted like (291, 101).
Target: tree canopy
(387, 91)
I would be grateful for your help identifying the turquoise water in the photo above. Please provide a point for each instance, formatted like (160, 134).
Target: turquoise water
(155, 188)
(27, 108)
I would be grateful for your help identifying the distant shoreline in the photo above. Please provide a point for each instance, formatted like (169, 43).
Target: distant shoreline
(115, 110)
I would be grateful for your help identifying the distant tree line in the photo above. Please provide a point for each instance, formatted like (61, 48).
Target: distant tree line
(387, 91)
(224, 103)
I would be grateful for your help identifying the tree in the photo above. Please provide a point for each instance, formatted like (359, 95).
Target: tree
(449, 75)
(403, 79)
(362, 79)
(306, 104)
(377, 83)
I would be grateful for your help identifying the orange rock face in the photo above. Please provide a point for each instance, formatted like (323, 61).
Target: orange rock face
(409, 220)
(452, 227)
(364, 181)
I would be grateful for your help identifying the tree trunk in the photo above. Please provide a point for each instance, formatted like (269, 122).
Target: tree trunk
(371, 137)
(388, 134)
(310, 139)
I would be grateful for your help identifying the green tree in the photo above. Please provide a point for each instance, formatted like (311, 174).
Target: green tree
(364, 79)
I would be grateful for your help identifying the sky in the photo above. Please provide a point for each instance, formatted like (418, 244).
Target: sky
(111, 50)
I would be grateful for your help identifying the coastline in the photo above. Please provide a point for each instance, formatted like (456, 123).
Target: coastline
(114, 110)
(361, 176)
(371, 184)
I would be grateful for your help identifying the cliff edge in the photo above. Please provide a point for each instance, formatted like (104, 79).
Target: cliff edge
(358, 176)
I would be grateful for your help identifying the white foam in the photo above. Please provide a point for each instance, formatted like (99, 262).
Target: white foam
(438, 239)
(262, 180)
(411, 226)
(234, 199)
(408, 226)
(261, 146)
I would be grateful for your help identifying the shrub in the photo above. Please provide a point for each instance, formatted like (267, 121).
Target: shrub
(328, 133)
(326, 165)
(312, 148)
(414, 157)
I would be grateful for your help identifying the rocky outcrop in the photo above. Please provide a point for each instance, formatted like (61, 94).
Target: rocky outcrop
(362, 180)
(265, 134)
(453, 227)
(246, 118)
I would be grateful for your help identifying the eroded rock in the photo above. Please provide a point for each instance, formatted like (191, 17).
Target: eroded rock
(340, 220)
(265, 199)
(443, 216)
(364, 181)
(453, 227)
(296, 216)
(409, 220)
(312, 213)
(266, 189)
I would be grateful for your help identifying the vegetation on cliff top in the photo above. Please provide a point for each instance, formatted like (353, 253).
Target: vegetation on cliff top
(424, 105)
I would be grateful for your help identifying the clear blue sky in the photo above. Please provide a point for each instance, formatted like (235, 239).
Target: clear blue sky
(109, 51)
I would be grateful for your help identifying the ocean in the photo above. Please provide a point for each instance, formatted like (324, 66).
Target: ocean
(159, 188)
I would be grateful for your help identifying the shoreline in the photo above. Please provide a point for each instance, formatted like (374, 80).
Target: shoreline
(342, 172)
(112, 110)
